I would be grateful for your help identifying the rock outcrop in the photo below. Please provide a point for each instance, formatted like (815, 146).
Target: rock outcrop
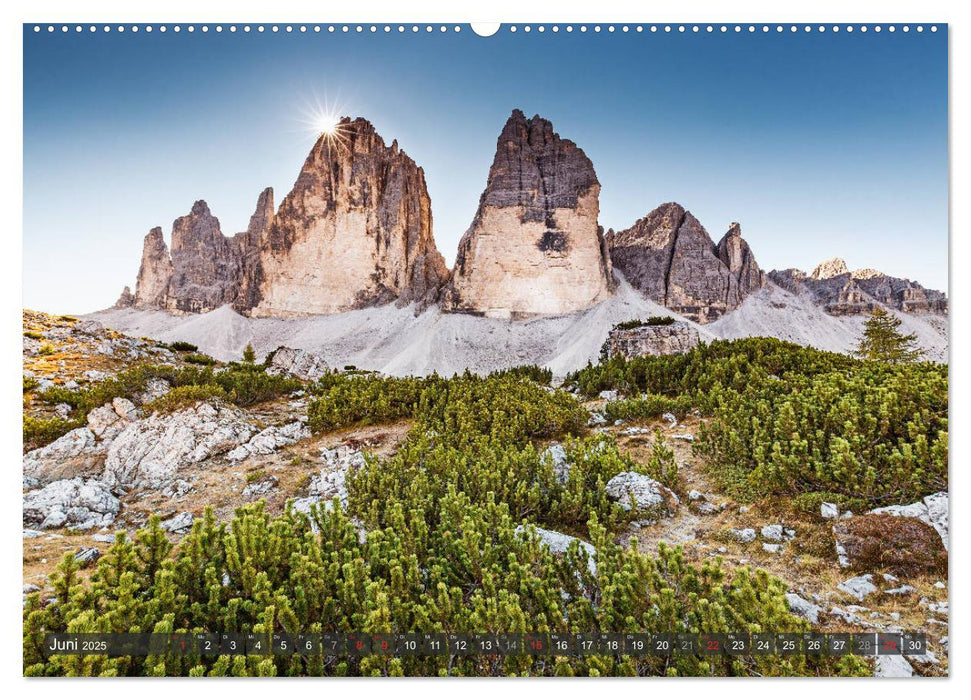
(355, 231)
(843, 292)
(671, 339)
(78, 504)
(669, 257)
(535, 245)
(150, 452)
(155, 273)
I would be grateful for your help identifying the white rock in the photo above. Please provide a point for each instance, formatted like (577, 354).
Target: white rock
(609, 395)
(670, 418)
(94, 375)
(178, 523)
(772, 548)
(559, 543)
(32, 534)
(87, 555)
(596, 419)
(331, 481)
(892, 667)
(940, 584)
(773, 533)
(556, 453)
(261, 487)
(155, 388)
(802, 607)
(75, 503)
(859, 586)
(694, 495)
(47, 462)
(744, 536)
(297, 363)
(104, 537)
(63, 410)
(150, 452)
(900, 590)
(270, 440)
(688, 437)
(829, 511)
(630, 489)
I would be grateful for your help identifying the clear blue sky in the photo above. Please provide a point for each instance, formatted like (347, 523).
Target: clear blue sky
(821, 145)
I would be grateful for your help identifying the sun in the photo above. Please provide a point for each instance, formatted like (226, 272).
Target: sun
(326, 124)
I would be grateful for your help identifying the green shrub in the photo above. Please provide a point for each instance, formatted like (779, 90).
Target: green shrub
(199, 359)
(638, 323)
(46, 349)
(471, 571)
(184, 396)
(246, 385)
(30, 383)
(183, 346)
(534, 373)
(876, 432)
(34, 335)
(646, 407)
(41, 431)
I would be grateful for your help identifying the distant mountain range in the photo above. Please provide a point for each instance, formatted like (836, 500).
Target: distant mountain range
(355, 232)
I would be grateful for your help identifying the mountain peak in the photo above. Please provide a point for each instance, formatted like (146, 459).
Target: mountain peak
(834, 267)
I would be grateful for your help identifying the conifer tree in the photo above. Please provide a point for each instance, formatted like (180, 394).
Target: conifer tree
(882, 340)
(249, 354)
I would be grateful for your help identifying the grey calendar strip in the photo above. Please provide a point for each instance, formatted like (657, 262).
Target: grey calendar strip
(486, 644)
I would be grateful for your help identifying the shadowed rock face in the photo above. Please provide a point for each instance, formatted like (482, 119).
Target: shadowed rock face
(355, 231)
(842, 292)
(205, 264)
(534, 246)
(670, 258)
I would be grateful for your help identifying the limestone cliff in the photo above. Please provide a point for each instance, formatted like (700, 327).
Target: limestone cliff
(535, 245)
(355, 231)
(669, 256)
(155, 272)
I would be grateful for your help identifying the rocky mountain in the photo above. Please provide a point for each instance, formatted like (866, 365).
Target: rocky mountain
(842, 292)
(355, 231)
(535, 246)
(669, 256)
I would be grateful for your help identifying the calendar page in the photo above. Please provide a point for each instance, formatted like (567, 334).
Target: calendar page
(539, 349)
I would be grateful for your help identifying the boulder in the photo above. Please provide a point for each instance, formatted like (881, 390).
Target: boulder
(556, 453)
(859, 586)
(559, 543)
(646, 340)
(645, 495)
(829, 511)
(74, 453)
(892, 666)
(744, 535)
(77, 504)
(803, 608)
(297, 363)
(179, 523)
(152, 451)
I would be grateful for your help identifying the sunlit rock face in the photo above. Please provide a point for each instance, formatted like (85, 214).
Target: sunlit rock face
(355, 231)
(534, 246)
(669, 257)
